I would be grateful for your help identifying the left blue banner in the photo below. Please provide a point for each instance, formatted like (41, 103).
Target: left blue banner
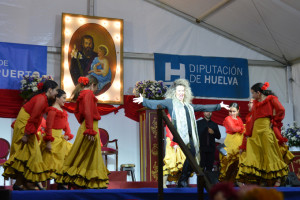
(18, 60)
(208, 76)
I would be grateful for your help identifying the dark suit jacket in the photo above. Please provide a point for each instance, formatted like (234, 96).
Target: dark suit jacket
(84, 63)
(207, 140)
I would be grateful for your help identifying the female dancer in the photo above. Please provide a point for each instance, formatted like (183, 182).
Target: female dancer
(234, 128)
(262, 162)
(178, 102)
(84, 165)
(25, 163)
(54, 147)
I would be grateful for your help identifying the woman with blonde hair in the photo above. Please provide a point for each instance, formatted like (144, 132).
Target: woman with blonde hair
(178, 102)
(84, 166)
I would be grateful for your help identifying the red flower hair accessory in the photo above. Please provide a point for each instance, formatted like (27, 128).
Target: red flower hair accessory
(40, 85)
(83, 80)
(265, 86)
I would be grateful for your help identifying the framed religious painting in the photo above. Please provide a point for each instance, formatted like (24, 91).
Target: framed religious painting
(93, 46)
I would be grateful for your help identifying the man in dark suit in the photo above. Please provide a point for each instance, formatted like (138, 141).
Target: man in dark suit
(208, 131)
(81, 59)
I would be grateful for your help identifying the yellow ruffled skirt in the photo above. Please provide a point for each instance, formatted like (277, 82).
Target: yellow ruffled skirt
(286, 154)
(68, 148)
(25, 159)
(229, 163)
(262, 162)
(173, 162)
(84, 165)
(60, 148)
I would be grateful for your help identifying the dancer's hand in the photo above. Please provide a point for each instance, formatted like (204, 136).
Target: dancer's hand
(91, 138)
(66, 137)
(25, 138)
(241, 151)
(175, 148)
(224, 105)
(138, 100)
(283, 144)
(48, 146)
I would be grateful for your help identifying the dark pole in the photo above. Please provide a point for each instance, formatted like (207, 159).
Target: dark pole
(160, 132)
(200, 186)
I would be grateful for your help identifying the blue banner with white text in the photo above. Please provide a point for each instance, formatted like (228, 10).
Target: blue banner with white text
(18, 60)
(208, 76)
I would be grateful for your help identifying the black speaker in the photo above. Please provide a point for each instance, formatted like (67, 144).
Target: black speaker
(5, 194)
(212, 176)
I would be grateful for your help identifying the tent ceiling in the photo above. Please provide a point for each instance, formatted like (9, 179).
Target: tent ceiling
(271, 27)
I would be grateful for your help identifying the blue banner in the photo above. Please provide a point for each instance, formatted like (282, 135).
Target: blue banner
(208, 76)
(17, 60)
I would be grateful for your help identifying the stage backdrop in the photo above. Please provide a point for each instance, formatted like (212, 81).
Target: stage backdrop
(17, 60)
(208, 76)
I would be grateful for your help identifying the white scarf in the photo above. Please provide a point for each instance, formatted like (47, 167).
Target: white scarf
(179, 115)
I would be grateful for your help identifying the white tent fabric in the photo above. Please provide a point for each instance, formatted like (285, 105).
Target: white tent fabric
(147, 29)
(271, 25)
(144, 31)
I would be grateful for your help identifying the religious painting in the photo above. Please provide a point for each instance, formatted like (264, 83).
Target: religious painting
(93, 46)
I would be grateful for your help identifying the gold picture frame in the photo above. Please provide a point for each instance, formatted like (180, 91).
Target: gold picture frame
(93, 45)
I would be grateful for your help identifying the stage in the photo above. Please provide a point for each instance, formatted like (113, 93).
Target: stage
(290, 193)
(120, 189)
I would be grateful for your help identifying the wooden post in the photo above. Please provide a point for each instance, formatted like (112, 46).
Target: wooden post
(160, 132)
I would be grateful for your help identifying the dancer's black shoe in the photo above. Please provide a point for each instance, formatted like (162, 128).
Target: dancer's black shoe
(183, 181)
(182, 184)
(40, 187)
(16, 187)
(61, 187)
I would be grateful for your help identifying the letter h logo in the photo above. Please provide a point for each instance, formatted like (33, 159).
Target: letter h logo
(173, 72)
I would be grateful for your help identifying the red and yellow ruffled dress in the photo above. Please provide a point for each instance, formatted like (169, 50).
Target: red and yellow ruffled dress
(84, 165)
(26, 158)
(57, 121)
(266, 157)
(173, 160)
(228, 164)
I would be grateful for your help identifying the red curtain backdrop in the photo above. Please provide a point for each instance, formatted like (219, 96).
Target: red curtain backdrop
(103, 109)
(11, 103)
